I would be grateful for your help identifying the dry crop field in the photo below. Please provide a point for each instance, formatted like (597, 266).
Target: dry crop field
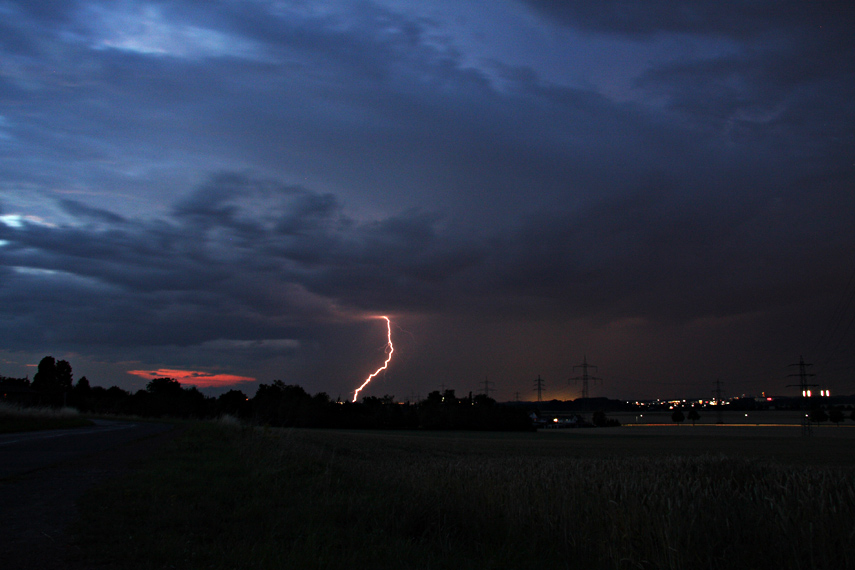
(231, 497)
(710, 416)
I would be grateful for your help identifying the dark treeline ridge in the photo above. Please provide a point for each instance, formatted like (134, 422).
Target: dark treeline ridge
(277, 404)
(580, 405)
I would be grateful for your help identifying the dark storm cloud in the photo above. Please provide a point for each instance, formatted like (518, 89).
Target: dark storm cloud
(777, 88)
(19, 21)
(389, 121)
(82, 211)
(737, 19)
(371, 161)
(656, 258)
(213, 268)
(643, 256)
(787, 66)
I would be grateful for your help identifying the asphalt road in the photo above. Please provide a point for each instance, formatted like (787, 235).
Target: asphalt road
(44, 473)
(23, 452)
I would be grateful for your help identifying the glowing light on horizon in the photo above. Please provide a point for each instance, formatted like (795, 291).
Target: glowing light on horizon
(389, 350)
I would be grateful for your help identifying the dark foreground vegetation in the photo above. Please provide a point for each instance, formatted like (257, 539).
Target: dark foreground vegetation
(15, 419)
(235, 497)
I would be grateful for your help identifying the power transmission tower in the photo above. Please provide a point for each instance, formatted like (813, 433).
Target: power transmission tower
(539, 389)
(718, 400)
(487, 386)
(805, 388)
(585, 377)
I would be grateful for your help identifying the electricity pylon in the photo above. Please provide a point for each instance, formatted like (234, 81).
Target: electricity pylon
(585, 377)
(805, 388)
(539, 388)
(487, 386)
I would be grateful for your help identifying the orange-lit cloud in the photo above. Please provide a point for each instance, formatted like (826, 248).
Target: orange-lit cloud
(192, 377)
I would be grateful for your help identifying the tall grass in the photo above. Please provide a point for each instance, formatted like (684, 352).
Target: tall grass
(231, 497)
(15, 418)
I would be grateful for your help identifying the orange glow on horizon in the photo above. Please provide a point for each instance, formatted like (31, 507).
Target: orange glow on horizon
(193, 377)
(390, 349)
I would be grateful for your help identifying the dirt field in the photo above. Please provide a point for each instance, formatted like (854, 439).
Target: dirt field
(710, 417)
(774, 437)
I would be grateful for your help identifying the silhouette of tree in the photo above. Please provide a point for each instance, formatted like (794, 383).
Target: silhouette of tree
(83, 385)
(164, 387)
(321, 399)
(81, 395)
(64, 376)
(693, 416)
(600, 419)
(483, 400)
(193, 403)
(166, 397)
(818, 415)
(283, 404)
(45, 376)
(442, 411)
(233, 403)
(382, 413)
(835, 414)
(16, 390)
(52, 381)
(276, 404)
(434, 398)
(113, 400)
(677, 417)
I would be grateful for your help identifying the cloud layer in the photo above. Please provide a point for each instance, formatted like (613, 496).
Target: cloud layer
(234, 189)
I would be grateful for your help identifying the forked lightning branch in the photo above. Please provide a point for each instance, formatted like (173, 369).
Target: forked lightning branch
(389, 350)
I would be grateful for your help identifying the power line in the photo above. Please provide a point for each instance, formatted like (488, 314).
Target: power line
(487, 386)
(839, 312)
(585, 377)
(805, 388)
(539, 388)
(803, 376)
(839, 316)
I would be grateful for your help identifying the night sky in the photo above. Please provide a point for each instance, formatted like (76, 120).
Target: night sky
(226, 193)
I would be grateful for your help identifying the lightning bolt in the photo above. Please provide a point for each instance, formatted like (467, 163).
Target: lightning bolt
(389, 350)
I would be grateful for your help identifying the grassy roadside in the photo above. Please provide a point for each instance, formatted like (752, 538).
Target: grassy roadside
(14, 419)
(231, 497)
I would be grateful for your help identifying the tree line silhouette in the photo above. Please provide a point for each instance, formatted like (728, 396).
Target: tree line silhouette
(276, 404)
